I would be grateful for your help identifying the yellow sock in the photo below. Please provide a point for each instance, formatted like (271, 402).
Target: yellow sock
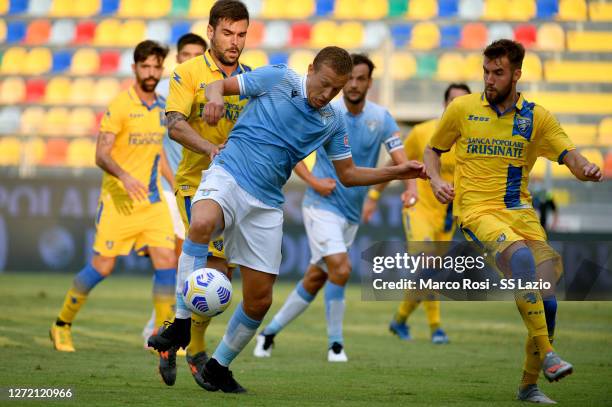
(406, 308)
(532, 364)
(432, 310)
(531, 308)
(72, 304)
(164, 308)
(198, 332)
(543, 345)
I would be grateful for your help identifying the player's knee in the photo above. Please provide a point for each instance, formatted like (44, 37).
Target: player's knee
(257, 307)
(522, 264)
(201, 229)
(341, 273)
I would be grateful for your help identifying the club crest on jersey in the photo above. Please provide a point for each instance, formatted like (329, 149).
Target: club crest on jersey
(523, 124)
(501, 238)
(325, 117)
(218, 244)
(372, 125)
(109, 244)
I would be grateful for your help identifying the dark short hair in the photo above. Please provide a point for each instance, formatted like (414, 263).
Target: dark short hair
(190, 38)
(338, 59)
(452, 86)
(506, 48)
(147, 48)
(359, 59)
(232, 10)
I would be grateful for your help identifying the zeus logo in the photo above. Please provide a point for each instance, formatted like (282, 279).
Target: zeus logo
(478, 118)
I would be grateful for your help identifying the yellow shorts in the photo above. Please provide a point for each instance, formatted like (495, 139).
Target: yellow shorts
(423, 225)
(498, 229)
(215, 247)
(119, 230)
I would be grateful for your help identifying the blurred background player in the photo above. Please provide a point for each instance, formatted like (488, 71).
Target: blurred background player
(425, 220)
(332, 211)
(227, 30)
(188, 46)
(288, 117)
(132, 212)
(499, 135)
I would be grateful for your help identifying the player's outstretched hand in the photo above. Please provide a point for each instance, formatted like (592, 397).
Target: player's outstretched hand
(411, 169)
(214, 110)
(324, 186)
(443, 191)
(592, 172)
(135, 189)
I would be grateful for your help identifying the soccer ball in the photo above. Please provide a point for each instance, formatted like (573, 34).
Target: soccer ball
(207, 292)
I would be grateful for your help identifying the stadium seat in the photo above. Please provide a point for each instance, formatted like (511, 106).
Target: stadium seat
(560, 171)
(254, 7)
(275, 58)
(273, 9)
(593, 155)
(2, 31)
(169, 62)
(498, 31)
(33, 151)
(600, 11)
(448, 67)
(398, 8)
(299, 9)
(10, 118)
(299, 60)
(349, 35)
(604, 131)
(109, 62)
(256, 32)
(180, 8)
(81, 91)
(85, 61)
(401, 33)
(279, 33)
(573, 103)
(10, 151)
(58, 90)
(56, 150)
(593, 41)
(474, 36)
(109, 7)
(55, 122)
(380, 63)
(403, 66)
(15, 32)
(61, 61)
(178, 30)
(254, 58)
(81, 122)
(105, 91)
(526, 34)
(131, 8)
(125, 62)
(495, 10)
(12, 60)
(324, 8)
(427, 66)
(81, 153)
(39, 8)
(471, 9)
(31, 120)
(199, 27)
(158, 30)
(578, 71)
(35, 90)
(38, 61)
(581, 134)
(448, 8)
(373, 9)
(472, 67)
(84, 9)
(347, 9)
(64, 8)
(422, 9)
(551, 37)
(12, 90)
(521, 10)
(450, 36)
(38, 32)
(107, 33)
(375, 34)
(425, 36)
(17, 7)
(85, 31)
(572, 10)
(322, 32)
(547, 9)
(132, 32)
(62, 32)
(539, 168)
(155, 9)
(607, 169)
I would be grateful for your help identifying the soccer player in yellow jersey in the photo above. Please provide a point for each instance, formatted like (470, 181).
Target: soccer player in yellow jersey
(498, 136)
(227, 29)
(132, 212)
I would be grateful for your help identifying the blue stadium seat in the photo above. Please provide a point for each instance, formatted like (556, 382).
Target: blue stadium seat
(278, 58)
(15, 31)
(450, 35)
(61, 61)
(448, 8)
(547, 9)
(109, 7)
(401, 34)
(18, 6)
(324, 7)
(179, 29)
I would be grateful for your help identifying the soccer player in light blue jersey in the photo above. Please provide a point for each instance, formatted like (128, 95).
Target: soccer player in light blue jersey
(332, 211)
(288, 117)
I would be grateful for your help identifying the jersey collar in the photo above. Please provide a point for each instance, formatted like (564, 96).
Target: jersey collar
(159, 100)
(518, 105)
(210, 62)
(304, 94)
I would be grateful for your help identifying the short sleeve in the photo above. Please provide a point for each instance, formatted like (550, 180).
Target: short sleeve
(391, 131)
(261, 80)
(182, 91)
(448, 129)
(337, 147)
(114, 118)
(553, 141)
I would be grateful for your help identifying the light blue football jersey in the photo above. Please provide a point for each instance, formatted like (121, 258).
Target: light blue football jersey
(276, 130)
(172, 149)
(367, 131)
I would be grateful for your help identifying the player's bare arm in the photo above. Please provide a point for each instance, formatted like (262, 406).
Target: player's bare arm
(582, 168)
(104, 145)
(181, 132)
(215, 107)
(443, 191)
(323, 186)
(351, 175)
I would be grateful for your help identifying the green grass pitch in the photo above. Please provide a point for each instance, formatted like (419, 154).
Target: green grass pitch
(481, 366)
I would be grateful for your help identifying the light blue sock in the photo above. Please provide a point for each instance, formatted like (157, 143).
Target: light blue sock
(334, 311)
(240, 329)
(294, 305)
(193, 257)
(87, 279)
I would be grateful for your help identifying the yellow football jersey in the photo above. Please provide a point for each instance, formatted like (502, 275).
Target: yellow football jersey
(187, 96)
(495, 151)
(139, 130)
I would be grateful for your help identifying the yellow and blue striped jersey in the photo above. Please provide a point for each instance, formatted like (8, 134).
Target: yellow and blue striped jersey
(139, 130)
(495, 150)
(187, 96)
